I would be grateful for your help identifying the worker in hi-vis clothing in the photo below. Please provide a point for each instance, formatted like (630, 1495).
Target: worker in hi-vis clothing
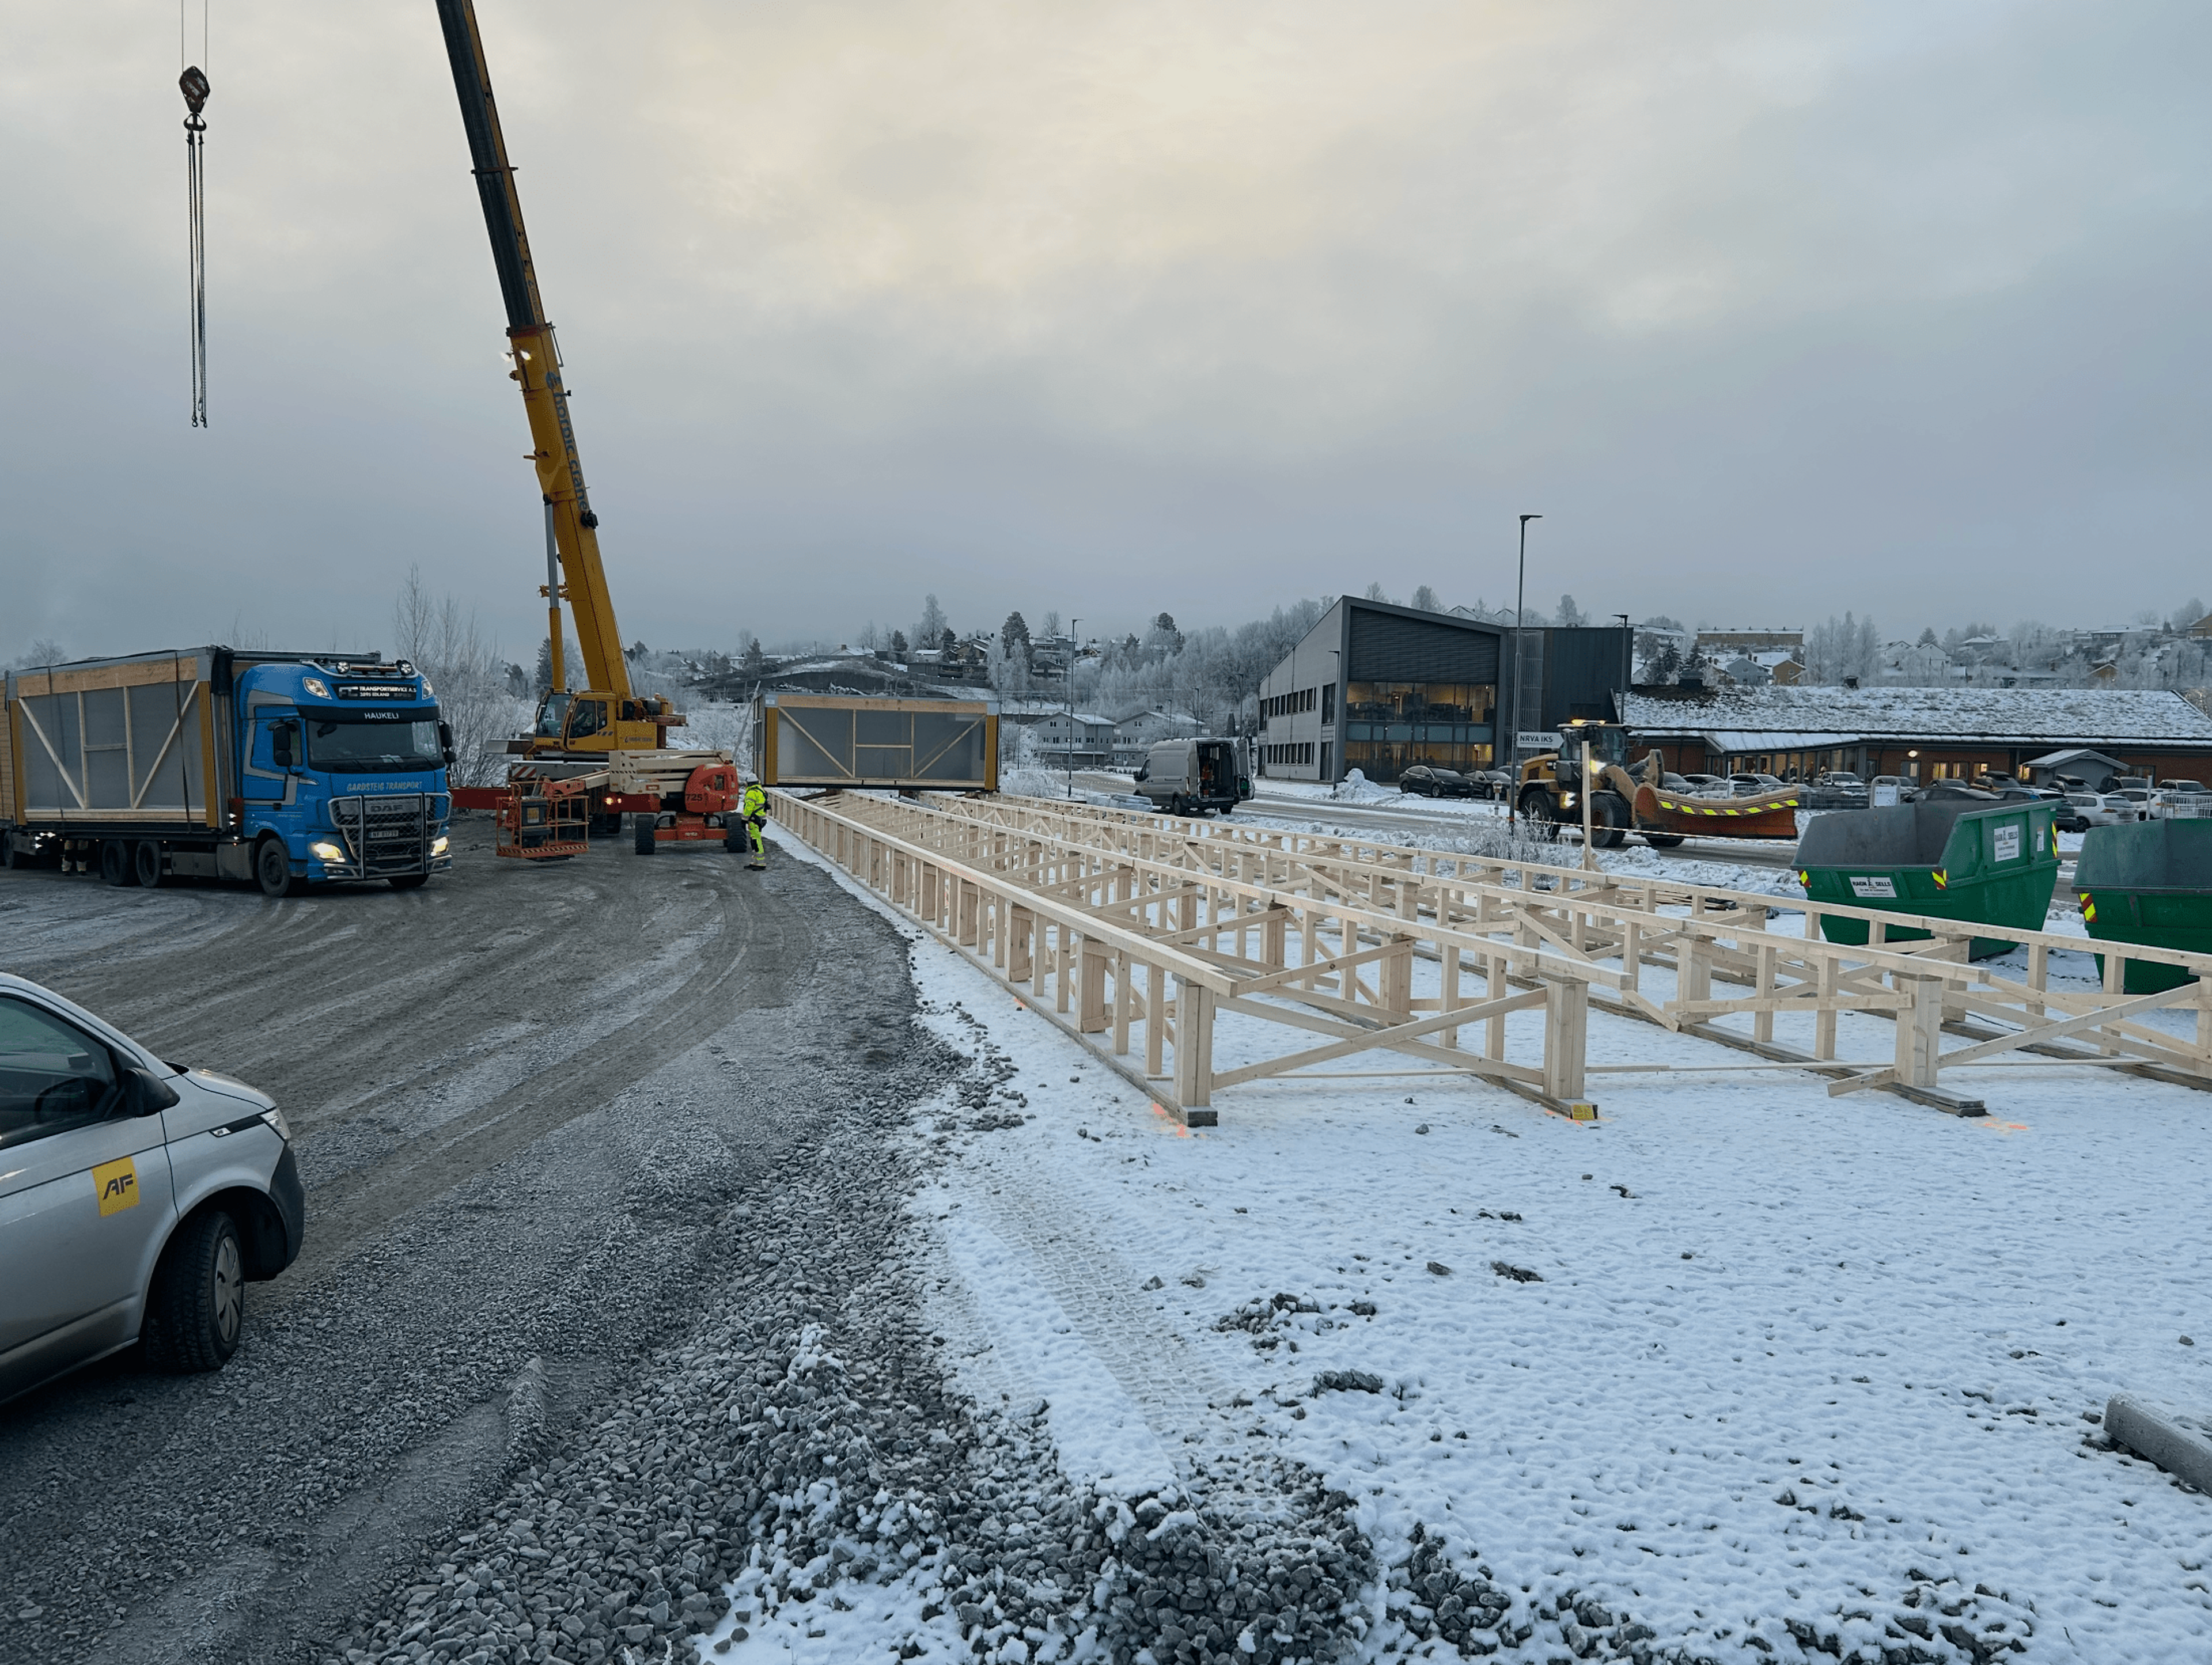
(753, 808)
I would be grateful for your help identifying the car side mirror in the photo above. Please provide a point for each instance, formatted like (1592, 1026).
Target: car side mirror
(146, 1094)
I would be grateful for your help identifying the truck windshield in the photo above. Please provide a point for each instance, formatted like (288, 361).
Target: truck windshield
(378, 740)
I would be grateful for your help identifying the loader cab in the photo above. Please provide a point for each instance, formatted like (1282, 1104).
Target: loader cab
(1608, 744)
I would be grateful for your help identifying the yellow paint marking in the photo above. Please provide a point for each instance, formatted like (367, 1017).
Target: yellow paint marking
(116, 1183)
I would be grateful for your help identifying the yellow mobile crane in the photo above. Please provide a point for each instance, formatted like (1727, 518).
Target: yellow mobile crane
(603, 716)
(597, 752)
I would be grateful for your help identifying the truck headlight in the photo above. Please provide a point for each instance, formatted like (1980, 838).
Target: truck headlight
(438, 844)
(323, 850)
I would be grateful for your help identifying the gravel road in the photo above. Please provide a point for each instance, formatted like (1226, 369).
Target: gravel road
(523, 1101)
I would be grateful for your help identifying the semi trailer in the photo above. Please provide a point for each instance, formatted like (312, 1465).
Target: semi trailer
(283, 769)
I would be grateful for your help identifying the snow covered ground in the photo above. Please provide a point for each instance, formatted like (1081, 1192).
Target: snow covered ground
(1758, 1370)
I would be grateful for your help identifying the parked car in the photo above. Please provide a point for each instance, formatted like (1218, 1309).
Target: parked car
(1427, 781)
(1492, 783)
(1838, 789)
(1707, 785)
(1751, 786)
(138, 1197)
(2090, 809)
(2151, 805)
(1190, 777)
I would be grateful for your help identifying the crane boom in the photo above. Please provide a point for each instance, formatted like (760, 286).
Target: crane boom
(572, 528)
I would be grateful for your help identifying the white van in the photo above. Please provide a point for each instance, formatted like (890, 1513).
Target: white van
(1190, 777)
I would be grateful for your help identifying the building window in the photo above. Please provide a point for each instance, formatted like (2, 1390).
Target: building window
(1329, 702)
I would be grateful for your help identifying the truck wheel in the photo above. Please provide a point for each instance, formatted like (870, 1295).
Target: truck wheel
(410, 881)
(115, 863)
(644, 841)
(272, 865)
(1543, 820)
(146, 863)
(197, 1307)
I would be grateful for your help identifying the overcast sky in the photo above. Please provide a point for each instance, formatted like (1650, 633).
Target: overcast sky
(1771, 310)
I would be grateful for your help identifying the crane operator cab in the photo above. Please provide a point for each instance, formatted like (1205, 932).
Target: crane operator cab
(587, 722)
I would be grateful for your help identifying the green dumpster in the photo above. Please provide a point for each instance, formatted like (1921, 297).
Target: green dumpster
(2148, 882)
(1949, 858)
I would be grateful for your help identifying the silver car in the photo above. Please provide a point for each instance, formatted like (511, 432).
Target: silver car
(137, 1198)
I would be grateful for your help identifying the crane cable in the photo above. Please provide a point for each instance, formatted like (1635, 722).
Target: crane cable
(193, 83)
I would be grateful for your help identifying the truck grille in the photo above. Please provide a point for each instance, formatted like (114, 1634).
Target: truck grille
(386, 835)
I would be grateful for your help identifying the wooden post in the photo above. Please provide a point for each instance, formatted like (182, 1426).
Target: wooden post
(1762, 1022)
(1194, 1044)
(1824, 1024)
(1590, 801)
(1125, 1001)
(2038, 973)
(1631, 953)
(1695, 958)
(1450, 992)
(1566, 1036)
(1496, 968)
(1919, 1028)
(1021, 932)
(1395, 975)
(1155, 1019)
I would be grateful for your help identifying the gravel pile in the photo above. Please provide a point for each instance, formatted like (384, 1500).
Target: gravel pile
(804, 1434)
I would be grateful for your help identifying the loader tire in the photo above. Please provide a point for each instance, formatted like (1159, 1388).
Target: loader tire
(1662, 841)
(1610, 819)
(1541, 818)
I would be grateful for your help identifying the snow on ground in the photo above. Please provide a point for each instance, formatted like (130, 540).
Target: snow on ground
(1737, 1358)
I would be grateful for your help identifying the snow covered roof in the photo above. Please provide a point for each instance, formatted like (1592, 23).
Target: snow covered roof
(1784, 718)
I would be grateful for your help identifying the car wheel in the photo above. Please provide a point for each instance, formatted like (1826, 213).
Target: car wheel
(115, 864)
(408, 881)
(197, 1308)
(146, 863)
(272, 865)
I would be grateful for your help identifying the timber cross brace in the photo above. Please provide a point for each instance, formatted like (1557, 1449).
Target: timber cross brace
(1203, 942)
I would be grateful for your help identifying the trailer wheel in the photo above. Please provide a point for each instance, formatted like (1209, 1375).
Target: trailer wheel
(272, 865)
(10, 856)
(645, 842)
(115, 864)
(146, 863)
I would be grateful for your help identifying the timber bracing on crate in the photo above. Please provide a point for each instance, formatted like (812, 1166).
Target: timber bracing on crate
(1146, 931)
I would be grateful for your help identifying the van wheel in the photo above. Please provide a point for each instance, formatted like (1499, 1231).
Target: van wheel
(146, 863)
(115, 864)
(272, 865)
(1177, 806)
(196, 1309)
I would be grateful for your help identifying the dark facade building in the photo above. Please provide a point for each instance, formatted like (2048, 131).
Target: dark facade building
(1379, 687)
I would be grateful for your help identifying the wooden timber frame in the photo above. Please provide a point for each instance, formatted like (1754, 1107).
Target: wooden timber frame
(1191, 886)
(1142, 957)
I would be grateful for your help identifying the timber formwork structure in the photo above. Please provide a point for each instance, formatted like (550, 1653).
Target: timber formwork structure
(1206, 946)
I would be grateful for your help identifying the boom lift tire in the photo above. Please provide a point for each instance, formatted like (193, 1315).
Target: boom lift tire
(146, 863)
(197, 1308)
(642, 837)
(115, 863)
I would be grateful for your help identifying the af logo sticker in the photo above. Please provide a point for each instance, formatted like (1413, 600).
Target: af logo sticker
(116, 1182)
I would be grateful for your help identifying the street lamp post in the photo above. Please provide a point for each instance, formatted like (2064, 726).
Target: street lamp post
(1520, 605)
(1074, 639)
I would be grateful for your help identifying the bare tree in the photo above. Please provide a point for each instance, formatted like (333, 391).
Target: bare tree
(1428, 600)
(43, 652)
(467, 675)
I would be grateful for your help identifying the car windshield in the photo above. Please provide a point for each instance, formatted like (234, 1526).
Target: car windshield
(373, 741)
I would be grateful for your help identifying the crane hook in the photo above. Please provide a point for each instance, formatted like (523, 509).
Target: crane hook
(193, 84)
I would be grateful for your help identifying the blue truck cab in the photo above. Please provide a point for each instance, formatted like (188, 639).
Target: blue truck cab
(285, 769)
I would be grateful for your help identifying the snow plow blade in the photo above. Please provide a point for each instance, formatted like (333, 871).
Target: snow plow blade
(1774, 815)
